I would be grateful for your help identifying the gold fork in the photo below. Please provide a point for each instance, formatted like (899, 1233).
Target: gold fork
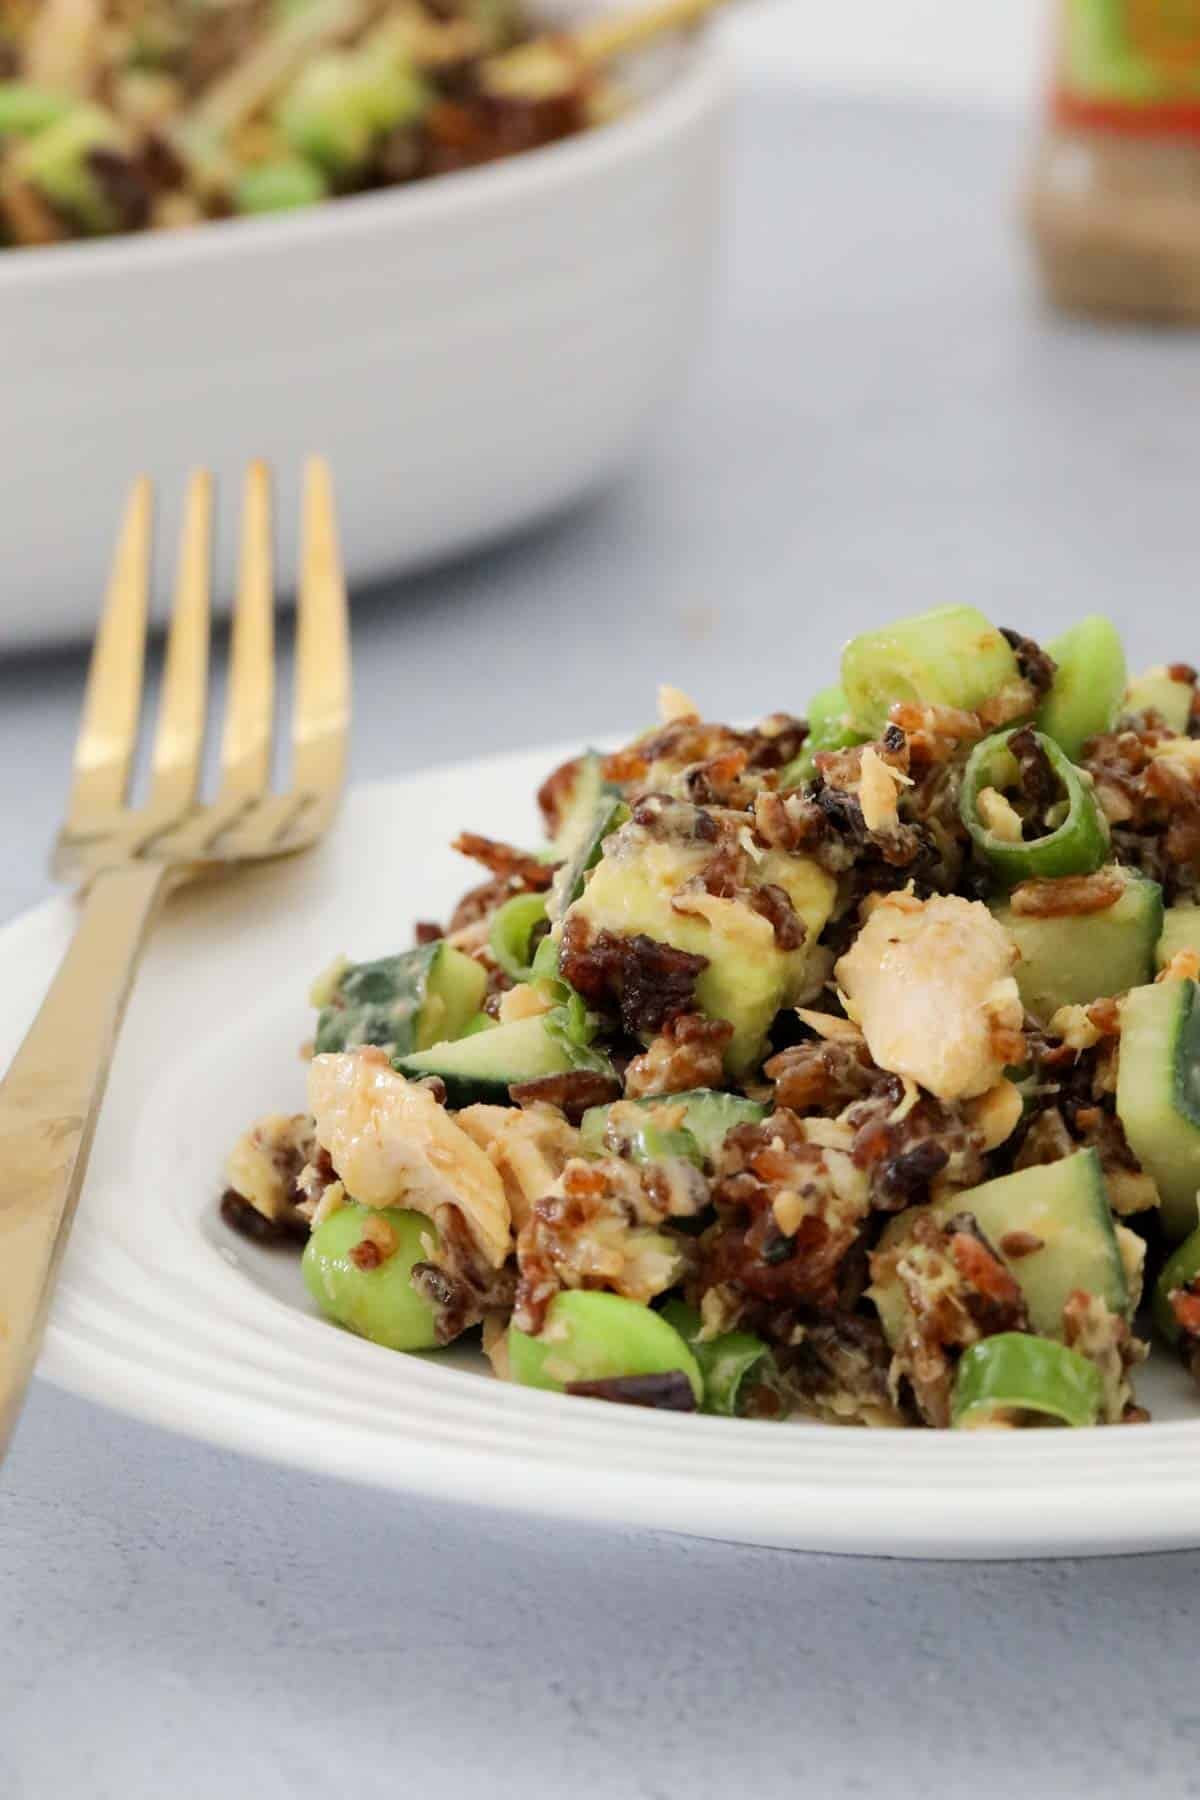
(123, 860)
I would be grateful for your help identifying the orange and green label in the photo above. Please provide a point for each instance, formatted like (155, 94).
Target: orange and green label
(1130, 65)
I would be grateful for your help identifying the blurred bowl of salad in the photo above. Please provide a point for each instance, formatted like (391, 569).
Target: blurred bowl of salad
(454, 246)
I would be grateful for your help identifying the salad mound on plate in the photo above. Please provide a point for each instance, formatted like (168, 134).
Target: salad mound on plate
(128, 115)
(848, 1066)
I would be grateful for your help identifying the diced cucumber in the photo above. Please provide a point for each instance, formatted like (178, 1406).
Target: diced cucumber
(403, 1003)
(1158, 692)
(486, 1065)
(576, 813)
(1180, 931)
(951, 656)
(1158, 1094)
(726, 1362)
(1065, 1206)
(708, 1115)
(1085, 696)
(1181, 1268)
(1077, 958)
(609, 812)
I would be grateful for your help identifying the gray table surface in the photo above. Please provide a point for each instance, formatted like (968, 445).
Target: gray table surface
(879, 420)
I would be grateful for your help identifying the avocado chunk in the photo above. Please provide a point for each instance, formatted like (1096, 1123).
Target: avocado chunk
(632, 890)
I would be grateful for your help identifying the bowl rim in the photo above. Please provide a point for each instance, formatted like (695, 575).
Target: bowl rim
(696, 87)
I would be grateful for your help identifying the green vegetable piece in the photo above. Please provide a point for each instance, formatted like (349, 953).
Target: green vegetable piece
(830, 727)
(708, 1116)
(1158, 692)
(1015, 1370)
(57, 163)
(651, 1144)
(610, 813)
(1085, 696)
(403, 1003)
(1180, 931)
(25, 109)
(485, 1065)
(1064, 1206)
(1080, 957)
(727, 1362)
(510, 933)
(343, 102)
(1075, 847)
(545, 962)
(1180, 1268)
(378, 1303)
(599, 1337)
(1158, 1094)
(951, 656)
(748, 977)
(280, 186)
(568, 1022)
(577, 809)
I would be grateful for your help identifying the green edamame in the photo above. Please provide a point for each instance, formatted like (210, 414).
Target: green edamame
(599, 1337)
(284, 185)
(376, 1300)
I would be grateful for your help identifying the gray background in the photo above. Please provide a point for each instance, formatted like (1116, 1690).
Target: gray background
(880, 419)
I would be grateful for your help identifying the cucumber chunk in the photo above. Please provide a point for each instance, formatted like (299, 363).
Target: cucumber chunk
(485, 1065)
(1180, 1268)
(588, 788)
(708, 1115)
(1075, 959)
(378, 1303)
(1180, 931)
(1065, 1205)
(1085, 696)
(402, 1003)
(1158, 692)
(599, 1337)
(609, 812)
(727, 1363)
(1158, 1094)
(951, 656)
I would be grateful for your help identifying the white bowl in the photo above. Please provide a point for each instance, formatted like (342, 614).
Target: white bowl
(470, 352)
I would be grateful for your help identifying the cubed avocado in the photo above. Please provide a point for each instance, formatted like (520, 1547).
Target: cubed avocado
(748, 977)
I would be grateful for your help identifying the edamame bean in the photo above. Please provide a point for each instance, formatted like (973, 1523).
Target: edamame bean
(376, 1299)
(280, 186)
(599, 1337)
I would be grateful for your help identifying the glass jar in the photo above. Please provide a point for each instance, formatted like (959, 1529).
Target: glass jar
(1113, 205)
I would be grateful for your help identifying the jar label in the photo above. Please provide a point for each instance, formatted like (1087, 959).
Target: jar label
(1130, 65)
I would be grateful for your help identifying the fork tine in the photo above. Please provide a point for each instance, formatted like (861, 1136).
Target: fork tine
(112, 703)
(250, 706)
(321, 709)
(179, 739)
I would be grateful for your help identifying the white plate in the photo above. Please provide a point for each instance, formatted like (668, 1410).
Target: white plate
(470, 352)
(164, 1314)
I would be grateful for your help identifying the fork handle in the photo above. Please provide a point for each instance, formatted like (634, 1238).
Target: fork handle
(49, 1101)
